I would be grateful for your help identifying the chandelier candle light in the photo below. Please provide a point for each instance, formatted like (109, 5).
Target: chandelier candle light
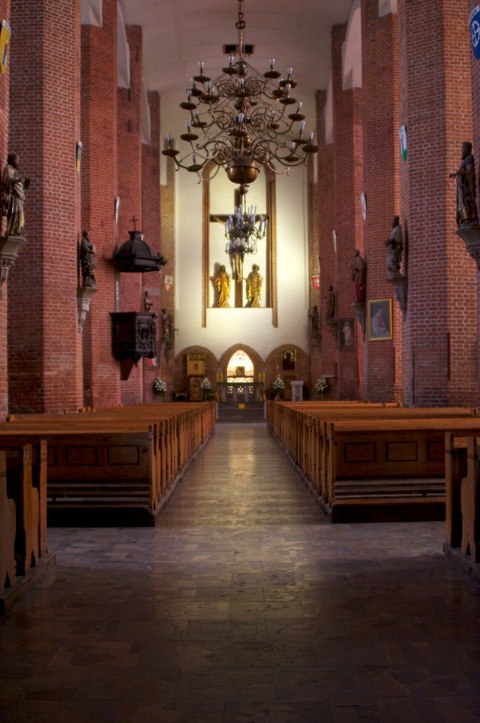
(240, 120)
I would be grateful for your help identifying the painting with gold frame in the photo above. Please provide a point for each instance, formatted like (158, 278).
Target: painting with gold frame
(289, 360)
(379, 319)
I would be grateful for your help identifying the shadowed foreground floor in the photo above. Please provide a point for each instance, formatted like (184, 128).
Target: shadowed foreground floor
(244, 604)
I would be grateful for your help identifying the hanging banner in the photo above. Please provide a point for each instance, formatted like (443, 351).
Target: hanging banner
(4, 43)
(402, 132)
(474, 21)
(316, 281)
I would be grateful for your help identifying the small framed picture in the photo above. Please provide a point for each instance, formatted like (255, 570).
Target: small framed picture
(379, 318)
(346, 334)
(289, 360)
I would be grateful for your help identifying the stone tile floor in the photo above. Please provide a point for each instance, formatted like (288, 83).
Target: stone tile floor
(245, 605)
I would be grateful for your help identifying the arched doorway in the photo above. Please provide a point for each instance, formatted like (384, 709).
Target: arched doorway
(240, 385)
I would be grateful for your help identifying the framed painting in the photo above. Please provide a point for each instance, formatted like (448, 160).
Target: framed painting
(346, 334)
(379, 319)
(289, 359)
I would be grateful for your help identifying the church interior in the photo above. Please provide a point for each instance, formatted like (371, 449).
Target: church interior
(239, 312)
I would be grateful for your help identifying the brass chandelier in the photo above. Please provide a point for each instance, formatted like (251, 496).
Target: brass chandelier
(240, 120)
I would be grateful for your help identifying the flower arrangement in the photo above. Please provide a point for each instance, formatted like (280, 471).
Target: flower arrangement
(321, 385)
(278, 386)
(159, 386)
(206, 385)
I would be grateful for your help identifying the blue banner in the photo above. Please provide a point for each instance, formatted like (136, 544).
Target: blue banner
(475, 31)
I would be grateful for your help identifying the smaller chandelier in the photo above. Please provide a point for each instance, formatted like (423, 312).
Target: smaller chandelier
(240, 120)
(243, 231)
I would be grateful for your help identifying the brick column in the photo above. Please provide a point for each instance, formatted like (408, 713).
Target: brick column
(325, 251)
(382, 358)
(439, 350)
(45, 355)
(99, 189)
(130, 191)
(348, 179)
(475, 65)
(4, 100)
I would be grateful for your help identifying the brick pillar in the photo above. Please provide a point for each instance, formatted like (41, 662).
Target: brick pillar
(45, 352)
(382, 358)
(99, 189)
(151, 230)
(348, 180)
(475, 65)
(4, 100)
(325, 251)
(130, 191)
(439, 350)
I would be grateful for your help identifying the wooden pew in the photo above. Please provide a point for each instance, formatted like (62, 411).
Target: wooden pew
(7, 530)
(463, 494)
(407, 452)
(300, 429)
(123, 459)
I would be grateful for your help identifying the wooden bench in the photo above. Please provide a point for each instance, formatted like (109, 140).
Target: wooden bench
(409, 453)
(463, 494)
(302, 428)
(23, 529)
(114, 466)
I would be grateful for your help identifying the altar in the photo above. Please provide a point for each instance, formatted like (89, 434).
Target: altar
(245, 390)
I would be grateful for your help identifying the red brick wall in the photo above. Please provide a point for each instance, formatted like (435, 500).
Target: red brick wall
(130, 191)
(4, 100)
(99, 189)
(439, 351)
(382, 189)
(45, 361)
(475, 66)
(348, 179)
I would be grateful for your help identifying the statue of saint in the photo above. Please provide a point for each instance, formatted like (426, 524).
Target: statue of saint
(13, 197)
(87, 261)
(254, 287)
(331, 306)
(222, 285)
(394, 243)
(359, 278)
(467, 213)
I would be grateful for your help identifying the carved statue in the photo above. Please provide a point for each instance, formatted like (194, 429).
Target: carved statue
(13, 197)
(147, 304)
(168, 334)
(359, 278)
(394, 243)
(467, 213)
(87, 260)
(254, 287)
(222, 285)
(330, 317)
(315, 332)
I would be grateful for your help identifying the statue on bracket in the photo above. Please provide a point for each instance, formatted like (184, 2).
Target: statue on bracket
(87, 261)
(467, 214)
(394, 244)
(359, 274)
(254, 287)
(13, 197)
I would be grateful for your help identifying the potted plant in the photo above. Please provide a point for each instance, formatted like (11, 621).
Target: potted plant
(159, 387)
(321, 386)
(278, 387)
(206, 388)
